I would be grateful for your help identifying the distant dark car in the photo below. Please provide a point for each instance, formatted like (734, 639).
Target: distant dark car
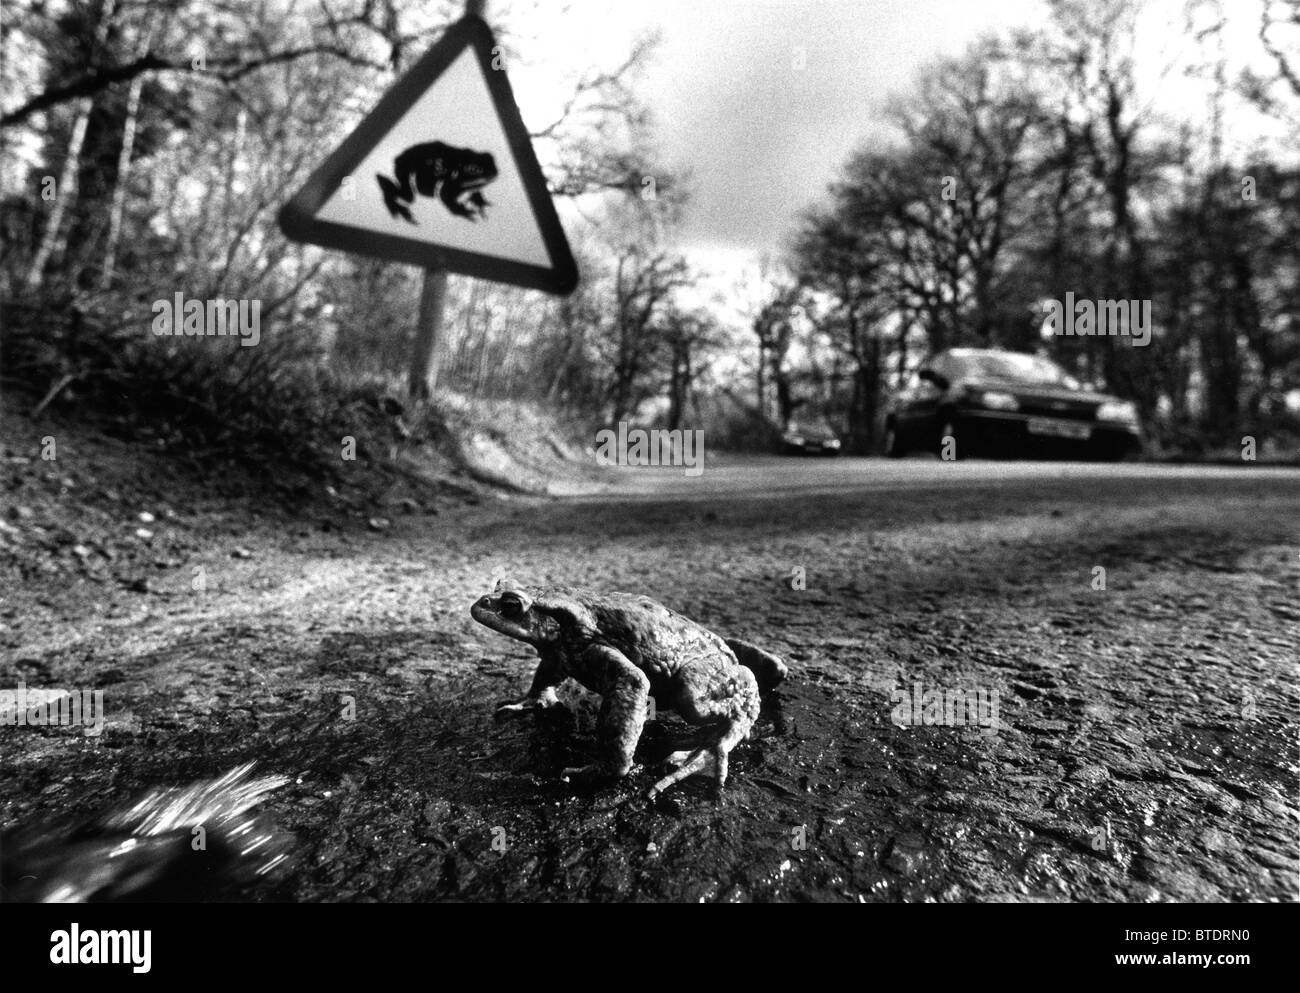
(994, 402)
(809, 436)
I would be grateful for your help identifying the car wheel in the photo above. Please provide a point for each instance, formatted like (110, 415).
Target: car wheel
(894, 447)
(1122, 454)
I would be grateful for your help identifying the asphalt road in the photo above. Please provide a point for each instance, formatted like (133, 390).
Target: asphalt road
(744, 476)
(1135, 734)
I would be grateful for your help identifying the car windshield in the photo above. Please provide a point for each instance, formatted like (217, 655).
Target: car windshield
(809, 425)
(1013, 365)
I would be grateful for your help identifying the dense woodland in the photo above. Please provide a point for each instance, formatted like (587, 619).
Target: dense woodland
(146, 146)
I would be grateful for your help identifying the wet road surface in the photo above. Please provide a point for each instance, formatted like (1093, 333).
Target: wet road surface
(975, 711)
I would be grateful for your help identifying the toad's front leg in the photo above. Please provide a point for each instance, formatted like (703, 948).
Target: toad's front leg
(541, 694)
(542, 700)
(625, 692)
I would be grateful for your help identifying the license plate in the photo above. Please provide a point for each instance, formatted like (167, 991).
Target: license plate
(1059, 429)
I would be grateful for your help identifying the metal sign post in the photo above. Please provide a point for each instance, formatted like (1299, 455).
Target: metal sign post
(423, 374)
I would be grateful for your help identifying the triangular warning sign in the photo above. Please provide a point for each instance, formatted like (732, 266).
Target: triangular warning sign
(441, 174)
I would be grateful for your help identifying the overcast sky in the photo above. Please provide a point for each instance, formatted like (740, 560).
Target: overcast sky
(762, 100)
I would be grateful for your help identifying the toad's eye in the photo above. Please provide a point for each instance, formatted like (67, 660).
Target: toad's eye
(512, 604)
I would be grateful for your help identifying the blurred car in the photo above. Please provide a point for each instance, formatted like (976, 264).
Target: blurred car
(995, 402)
(809, 436)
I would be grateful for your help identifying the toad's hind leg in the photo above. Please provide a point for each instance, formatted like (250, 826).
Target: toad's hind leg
(767, 668)
(721, 695)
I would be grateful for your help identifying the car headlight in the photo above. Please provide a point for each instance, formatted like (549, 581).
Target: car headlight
(996, 400)
(1118, 411)
(832, 442)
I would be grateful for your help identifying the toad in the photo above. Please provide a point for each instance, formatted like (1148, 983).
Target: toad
(457, 175)
(629, 648)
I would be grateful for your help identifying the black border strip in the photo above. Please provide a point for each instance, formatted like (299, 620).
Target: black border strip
(1021, 946)
(298, 217)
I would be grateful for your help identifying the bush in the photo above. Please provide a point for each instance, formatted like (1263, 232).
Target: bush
(268, 408)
